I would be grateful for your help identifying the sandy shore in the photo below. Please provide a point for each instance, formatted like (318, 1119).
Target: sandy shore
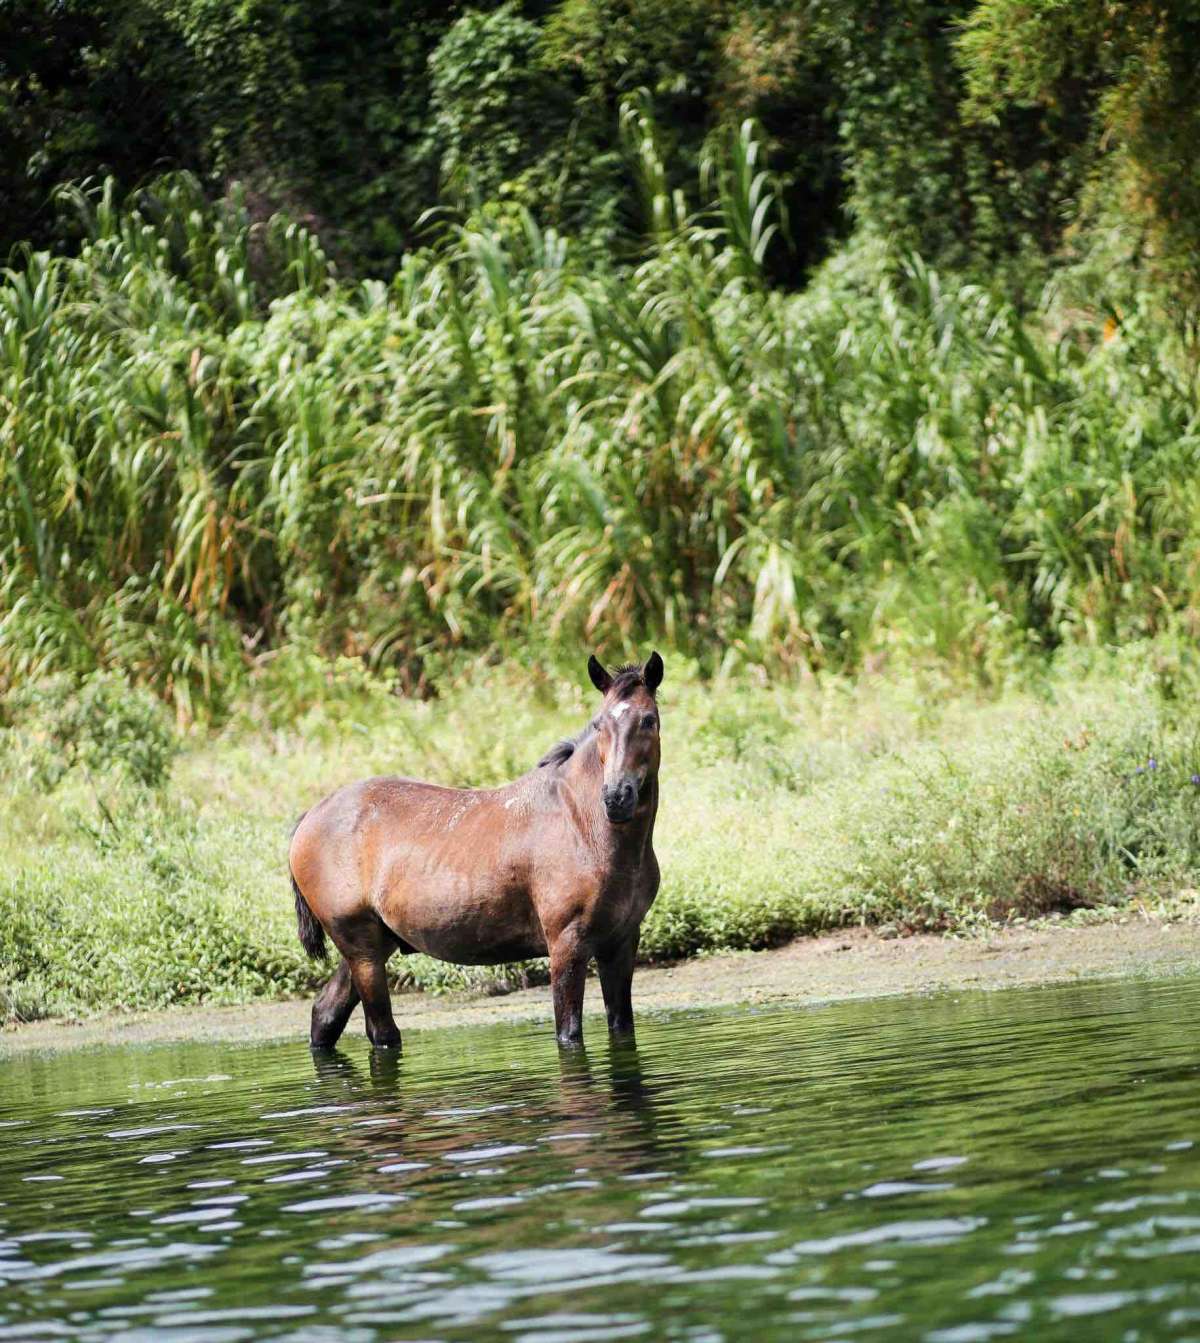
(855, 964)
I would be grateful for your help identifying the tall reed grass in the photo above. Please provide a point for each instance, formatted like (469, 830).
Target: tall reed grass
(210, 446)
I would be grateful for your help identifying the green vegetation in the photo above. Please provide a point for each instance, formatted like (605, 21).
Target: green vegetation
(978, 132)
(785, 810)
(504, 446)
(807, 340)
(580, 371)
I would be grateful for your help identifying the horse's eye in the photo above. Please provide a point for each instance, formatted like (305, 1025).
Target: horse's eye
(649, 721)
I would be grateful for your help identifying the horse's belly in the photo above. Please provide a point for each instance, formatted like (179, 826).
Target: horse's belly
(459, 922)
(478, 953)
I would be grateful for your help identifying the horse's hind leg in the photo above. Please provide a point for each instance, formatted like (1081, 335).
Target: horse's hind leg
(332, 1008)
(370, 979)
(366, 942)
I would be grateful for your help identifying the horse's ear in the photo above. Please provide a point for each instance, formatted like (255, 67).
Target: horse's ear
(600, 678)
(652, 672)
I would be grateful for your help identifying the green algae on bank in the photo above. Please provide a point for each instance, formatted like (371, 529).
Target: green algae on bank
(853, 964)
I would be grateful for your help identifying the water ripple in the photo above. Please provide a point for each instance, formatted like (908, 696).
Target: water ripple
(953, 1170)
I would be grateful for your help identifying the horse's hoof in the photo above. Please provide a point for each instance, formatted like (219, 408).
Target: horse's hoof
(324, 1043)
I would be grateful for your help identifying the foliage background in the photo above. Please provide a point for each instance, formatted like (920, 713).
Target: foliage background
(361, 363)
(819, 333)
(977, 131)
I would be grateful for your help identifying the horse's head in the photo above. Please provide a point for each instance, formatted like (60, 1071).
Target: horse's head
(627, 735)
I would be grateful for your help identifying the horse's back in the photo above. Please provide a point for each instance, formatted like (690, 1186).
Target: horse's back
(355, 848)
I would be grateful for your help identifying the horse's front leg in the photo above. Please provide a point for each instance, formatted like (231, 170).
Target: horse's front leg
(568, 976)
(616, 980)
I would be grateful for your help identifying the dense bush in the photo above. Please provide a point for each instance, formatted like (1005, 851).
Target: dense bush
(101, 725)
(211, 448)
(149, 918)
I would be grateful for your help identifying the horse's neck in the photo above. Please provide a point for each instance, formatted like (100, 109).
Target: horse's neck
(584, 777)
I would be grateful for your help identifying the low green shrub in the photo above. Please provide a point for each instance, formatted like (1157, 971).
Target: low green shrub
(154, 916)
(1021, 825)
(786, 810)
(100, 724)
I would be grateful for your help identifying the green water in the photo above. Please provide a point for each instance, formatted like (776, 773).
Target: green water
(1019, 1164)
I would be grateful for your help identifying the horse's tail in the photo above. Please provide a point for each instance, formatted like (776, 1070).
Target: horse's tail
(312, 935)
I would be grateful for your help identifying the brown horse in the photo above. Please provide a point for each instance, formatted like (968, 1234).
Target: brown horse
(559, 863)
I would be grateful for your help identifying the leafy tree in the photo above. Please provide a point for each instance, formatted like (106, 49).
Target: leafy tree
(1132, 68)
(984, 134)
(320, 107)
(86, 90)
(494, 110)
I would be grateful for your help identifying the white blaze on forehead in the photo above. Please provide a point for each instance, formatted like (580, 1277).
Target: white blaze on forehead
(618, 709)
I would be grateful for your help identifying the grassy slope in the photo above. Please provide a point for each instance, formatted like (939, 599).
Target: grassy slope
(785, 810)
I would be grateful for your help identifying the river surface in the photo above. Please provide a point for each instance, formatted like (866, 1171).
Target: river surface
(967, 1167)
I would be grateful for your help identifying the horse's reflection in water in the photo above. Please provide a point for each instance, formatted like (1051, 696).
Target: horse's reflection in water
(336, 1070)
(600, 1113)
(609, 1115)
(486, 1176)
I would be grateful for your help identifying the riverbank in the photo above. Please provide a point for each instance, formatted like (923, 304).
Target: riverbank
(789, 809)
(852, 964)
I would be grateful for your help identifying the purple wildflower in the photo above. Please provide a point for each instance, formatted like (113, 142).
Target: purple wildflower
(1152, 763)
(1196, 780)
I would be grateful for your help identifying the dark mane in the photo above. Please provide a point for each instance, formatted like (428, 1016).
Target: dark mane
(562, 751)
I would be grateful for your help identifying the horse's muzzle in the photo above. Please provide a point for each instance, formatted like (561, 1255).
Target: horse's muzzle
(620, 801)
